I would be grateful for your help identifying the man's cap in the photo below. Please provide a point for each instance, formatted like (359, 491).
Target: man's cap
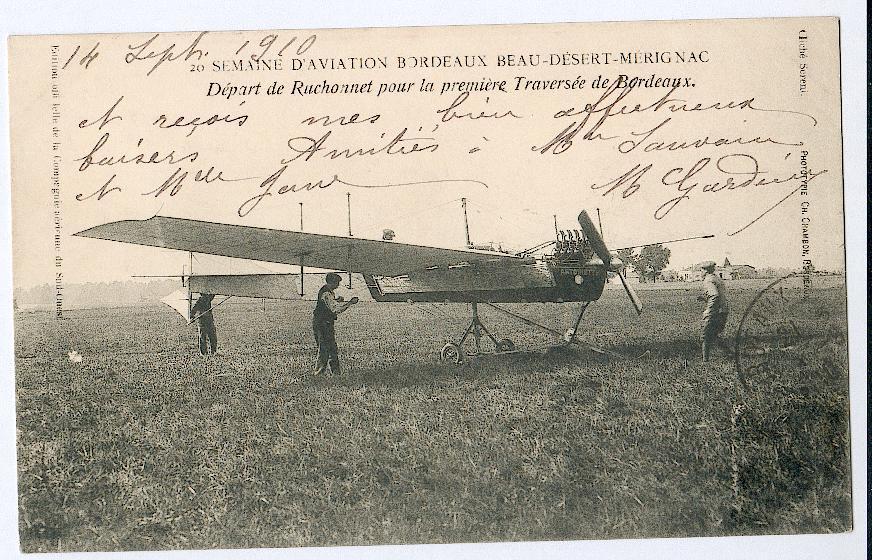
(707, 265)
(333, 277)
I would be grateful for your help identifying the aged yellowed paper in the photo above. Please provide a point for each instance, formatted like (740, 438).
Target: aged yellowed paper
(583, 280)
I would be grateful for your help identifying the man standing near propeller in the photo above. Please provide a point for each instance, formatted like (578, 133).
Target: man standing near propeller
(714, 317)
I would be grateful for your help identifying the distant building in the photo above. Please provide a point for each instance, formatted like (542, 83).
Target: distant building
(728, 271)
(744, 271)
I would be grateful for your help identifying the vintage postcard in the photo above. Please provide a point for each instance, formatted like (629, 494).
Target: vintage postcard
(429, 285)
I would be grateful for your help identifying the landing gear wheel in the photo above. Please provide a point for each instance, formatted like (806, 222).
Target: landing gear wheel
(452, 352)
(505, 345)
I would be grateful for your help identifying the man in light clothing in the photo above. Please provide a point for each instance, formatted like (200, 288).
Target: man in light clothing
(328, 307)
(714, 318)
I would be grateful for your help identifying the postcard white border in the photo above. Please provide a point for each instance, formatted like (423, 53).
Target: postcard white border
(166, 15)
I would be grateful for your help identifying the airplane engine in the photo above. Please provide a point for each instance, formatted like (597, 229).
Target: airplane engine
(578, 273)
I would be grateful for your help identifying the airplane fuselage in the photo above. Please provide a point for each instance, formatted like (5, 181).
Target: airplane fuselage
(552, 278)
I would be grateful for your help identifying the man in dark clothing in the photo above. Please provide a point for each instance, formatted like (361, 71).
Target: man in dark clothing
(328, 307)
(202, 312)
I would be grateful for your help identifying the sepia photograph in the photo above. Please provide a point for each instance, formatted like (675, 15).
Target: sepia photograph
(431, 285)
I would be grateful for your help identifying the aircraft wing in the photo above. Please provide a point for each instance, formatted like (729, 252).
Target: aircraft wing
(385, 258)
(267, 286)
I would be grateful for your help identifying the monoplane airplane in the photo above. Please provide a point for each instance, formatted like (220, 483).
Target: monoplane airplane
(575, 270)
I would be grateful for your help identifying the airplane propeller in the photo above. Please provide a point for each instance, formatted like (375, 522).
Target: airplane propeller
(599, 247)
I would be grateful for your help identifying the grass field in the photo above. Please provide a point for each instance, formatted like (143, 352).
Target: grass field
(146, 445)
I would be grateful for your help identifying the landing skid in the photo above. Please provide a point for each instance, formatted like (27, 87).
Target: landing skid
(569, 337)
(454, 351)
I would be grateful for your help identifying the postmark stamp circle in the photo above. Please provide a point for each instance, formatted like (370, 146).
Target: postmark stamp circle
(791, 334)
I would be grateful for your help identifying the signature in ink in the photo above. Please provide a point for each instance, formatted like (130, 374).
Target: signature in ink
(737, 171)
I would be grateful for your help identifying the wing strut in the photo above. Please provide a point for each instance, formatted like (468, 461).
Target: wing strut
(302, 274)
(466, 222)
(348, 261)
(555, 332)
(188, 283)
